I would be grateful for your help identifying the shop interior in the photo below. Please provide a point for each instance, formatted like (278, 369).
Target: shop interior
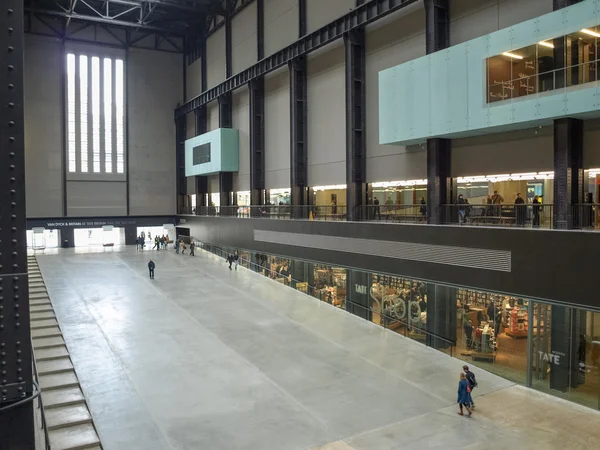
(330, 284)
(149, 233)
(40, 238)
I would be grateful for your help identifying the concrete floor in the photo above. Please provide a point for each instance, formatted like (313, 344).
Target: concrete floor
(207, 358)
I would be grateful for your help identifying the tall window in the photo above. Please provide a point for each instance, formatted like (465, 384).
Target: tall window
(95, 114)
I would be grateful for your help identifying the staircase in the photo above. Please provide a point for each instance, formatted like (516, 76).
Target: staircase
(67, 417)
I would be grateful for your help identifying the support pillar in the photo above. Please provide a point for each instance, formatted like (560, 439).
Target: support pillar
(257, 141)
(568, 172)
(441, 316)
(298, 135)
(16, 382)
(358, 284)
(225, 192)
(439, 181)
(201, 181)
(356, 125)
(130, 234)
(180, 133)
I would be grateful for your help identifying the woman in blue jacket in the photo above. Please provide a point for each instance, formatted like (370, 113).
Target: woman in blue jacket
(464, 396)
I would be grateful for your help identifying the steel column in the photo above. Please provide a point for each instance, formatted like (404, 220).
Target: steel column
(437, 25)
(225, 190)
(257, 141)
(298, 137)
(560, 4)
(302, 28)
(16, 382)
(260, 29)
(439, 181)
(201, 181)
(180, 133)
(568, 171)
(228, 44)
(356, 125)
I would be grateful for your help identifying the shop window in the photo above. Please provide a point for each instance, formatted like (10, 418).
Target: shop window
(548, 65)
(330, 284)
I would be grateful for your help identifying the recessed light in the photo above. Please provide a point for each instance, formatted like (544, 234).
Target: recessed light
(590, 32)
(546, 44)
(513, 55)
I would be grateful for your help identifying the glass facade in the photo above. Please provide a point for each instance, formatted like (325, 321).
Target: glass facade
(554, 349)
(548, 65)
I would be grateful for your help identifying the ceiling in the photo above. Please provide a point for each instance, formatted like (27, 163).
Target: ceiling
(171, 17)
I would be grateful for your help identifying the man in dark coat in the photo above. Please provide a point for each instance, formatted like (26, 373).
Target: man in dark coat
(151, 267)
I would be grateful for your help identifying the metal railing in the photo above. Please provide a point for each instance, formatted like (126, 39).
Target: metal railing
(499, 215)
(393, 213)
(583, 216)
(40, 402)
(386, 318)
(313, 212)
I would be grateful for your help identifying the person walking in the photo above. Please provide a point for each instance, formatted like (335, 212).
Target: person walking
(472, 382)
(137, 243)
(464, 395)
(461, 209)
(536, 211)
(151, 267)
(192, 247)
(177, 246)
(520, 211)
(236, 259)
(182, 247)
(377, 209)
(229, 259)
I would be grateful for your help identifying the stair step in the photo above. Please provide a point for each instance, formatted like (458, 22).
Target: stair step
(48, 354)
(38, 290)
(58, 380)
(62, 397)
(48, 342)
(65, 416)
(74, 438)
(46, 332)
(38, 295)
(54, 366)
(42, 302)
(40, 308)
(41, 324)
(41, 316)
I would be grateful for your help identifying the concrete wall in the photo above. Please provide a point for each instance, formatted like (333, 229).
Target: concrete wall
(281, 24)
(474, 18)
(241, 121)
(327, 117)
(243, 38)
(213, 116)
(43, 126)
(153, 94)
(320, 13)
(401, 39)
(215, 58)
(154, 87)
(277, 131)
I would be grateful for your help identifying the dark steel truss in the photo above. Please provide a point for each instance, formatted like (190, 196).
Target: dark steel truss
(168, 17)
(359, 17)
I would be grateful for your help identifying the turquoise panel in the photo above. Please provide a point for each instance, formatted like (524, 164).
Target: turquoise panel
(445, 94)
(224, 152)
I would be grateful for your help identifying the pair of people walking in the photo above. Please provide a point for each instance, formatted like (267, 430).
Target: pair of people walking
(233, 258)
(466, 384)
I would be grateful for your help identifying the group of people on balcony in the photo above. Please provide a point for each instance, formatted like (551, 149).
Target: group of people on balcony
(493, 209)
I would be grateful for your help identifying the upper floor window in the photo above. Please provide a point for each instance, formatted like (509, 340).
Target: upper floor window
(548, 65)
(95, 114)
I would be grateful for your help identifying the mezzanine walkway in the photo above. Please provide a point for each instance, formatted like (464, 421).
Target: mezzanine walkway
(207, 358)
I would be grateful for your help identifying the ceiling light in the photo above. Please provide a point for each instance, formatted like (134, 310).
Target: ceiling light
(546, 44)
(515, 56)
(590, 32)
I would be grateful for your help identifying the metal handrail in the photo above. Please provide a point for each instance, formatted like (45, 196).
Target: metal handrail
(40, 401)
(313, 289)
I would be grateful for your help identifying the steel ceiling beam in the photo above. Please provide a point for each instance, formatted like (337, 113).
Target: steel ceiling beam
(166, 4)
(358, 17)
(108, 21)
